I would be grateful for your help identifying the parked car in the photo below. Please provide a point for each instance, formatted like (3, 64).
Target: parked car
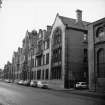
(33, 83)
(16, 81)
(21, 82)
(6, 80)
(27, 83)
(81, 85)
(10, 81)
(42, 84)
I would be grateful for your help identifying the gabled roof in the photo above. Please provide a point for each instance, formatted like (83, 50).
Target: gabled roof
(73, 23)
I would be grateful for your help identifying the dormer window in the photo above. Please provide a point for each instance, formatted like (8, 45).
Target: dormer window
(100, 32)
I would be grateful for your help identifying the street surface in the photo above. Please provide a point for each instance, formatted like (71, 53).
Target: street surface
(13, 94)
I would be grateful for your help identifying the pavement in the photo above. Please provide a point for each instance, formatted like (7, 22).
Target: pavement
(84, 92)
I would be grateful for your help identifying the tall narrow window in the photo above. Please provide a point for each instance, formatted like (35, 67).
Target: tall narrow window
(56, 54)
(47, 74)
(47, 58)
(101, 63)
(85, 55)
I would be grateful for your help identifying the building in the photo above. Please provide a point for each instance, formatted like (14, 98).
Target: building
(40, 64)
(32, 45)
(25, 47)
(20, 63)
(57, 55)
(15, 63)
(7, 72)
(68, 51)
(96, 52)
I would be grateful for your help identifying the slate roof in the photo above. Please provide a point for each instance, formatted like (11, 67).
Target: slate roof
(73, 24)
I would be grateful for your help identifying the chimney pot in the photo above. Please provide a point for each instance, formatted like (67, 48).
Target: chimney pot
(79, 15)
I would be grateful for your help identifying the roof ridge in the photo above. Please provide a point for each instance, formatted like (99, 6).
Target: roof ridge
(72, 19)
(67, 17)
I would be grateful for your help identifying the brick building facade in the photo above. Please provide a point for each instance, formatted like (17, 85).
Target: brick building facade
(68, 51)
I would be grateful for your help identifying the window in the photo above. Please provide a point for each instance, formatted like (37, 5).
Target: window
(85, 37)
(85, 55)
(47, 58)
(39, 74)
(57, 35)
(56, 72)
(101, 63)
(40, 35)
(39, 61)
(46, 74)
(43, 74)
(32, 62)
(35, 62)
(56, 55)
(100, 32)
(39, 46)
(46, 44)
(43, 59)
(34, 75)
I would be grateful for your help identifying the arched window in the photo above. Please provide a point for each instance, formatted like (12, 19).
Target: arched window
(101, 63)
(56, 60)
(56, 46)
(100, 32)
(57, 34)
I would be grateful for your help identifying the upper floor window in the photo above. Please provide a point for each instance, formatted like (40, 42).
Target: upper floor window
(40, 35)
(85, 55)
(47, 58)
(43, 59)
(100, 32)
(46, 44)
(85, 37)
(39, 46)
(57, 36)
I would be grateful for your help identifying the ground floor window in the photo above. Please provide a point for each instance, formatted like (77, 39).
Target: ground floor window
(56, 72)
(101, 63)
(43, 74)
(47, 72)
(34, 75)
(39, 74)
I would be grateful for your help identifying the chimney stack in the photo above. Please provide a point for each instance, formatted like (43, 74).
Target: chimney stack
(49, 28)
(79, 15)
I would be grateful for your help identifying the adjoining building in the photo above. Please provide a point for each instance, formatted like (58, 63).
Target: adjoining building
(96, 52)
(7, 72)
(32, 44)
(68, 51)
(41, 57)
(15, 64)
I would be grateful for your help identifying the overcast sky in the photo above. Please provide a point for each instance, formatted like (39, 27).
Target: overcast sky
(16, 16)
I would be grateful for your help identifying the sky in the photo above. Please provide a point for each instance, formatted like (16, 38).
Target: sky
(18, 16)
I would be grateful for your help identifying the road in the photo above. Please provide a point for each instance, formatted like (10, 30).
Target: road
(13, 94)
